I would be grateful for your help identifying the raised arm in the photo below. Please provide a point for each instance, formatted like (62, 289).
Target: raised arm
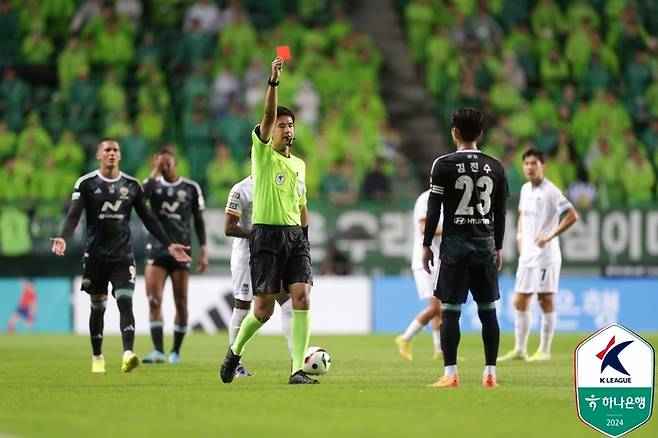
(269, 117)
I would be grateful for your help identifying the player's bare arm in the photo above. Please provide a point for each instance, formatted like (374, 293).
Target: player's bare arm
(269, 117)
(569, 218)
(232, 227)
(519, 233)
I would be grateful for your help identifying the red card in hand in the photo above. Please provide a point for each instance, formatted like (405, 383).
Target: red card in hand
(283, 52)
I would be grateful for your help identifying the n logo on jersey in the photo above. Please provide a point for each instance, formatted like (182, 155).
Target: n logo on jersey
(114, 206)
(171, 208)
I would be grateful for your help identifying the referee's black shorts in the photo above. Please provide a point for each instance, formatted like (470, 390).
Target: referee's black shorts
(279, 254)
(456, 280)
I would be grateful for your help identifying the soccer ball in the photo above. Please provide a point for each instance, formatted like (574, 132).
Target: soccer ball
(316, 361)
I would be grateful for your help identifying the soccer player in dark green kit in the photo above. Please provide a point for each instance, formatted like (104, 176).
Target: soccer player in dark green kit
(278, 244)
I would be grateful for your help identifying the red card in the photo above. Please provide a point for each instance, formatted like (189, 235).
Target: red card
(283, 52)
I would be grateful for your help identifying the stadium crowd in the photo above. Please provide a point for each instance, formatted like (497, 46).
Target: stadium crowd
(576, 79)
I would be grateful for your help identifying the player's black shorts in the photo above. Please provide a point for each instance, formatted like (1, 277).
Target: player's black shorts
(97, 275)
(167, 262)
(455, 281)
(278, 254)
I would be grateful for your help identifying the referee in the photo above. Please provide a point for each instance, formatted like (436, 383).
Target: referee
(279, 239)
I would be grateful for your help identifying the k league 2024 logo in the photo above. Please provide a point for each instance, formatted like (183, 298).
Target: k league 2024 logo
(614, 374)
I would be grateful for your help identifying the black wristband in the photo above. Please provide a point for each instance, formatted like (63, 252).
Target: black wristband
(272, 83)
(305, 231)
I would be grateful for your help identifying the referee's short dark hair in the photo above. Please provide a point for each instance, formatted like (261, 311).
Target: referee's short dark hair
(532, 152)
(166, 150)
(469, 122)
(283, 111)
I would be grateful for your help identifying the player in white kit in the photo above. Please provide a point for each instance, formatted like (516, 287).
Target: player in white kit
(425, 285)
(237, 224)
(540, 207)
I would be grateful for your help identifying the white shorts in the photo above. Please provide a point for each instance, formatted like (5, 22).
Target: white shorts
(242, 284)
(537, 279)
(425, 283)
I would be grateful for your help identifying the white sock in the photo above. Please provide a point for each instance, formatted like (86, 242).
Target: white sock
(547, 331)
(450, 371)
(127, 352)
(522, 322)
(98, 357)
(286, 323)
(489, 370)
(236, 320)
(412, 330)
(436, 337)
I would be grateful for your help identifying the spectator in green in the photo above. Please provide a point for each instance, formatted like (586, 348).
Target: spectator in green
(234, 129)
(578, 48)
(627, 35)
(649, 137)
(196, 84)
(241, 38)
(14, 232)
(34, 141)
(154, 94)
(58, 14)
(134, 150)
(151, 124)
(31, 16)
(609, 59)
(71, 62)
(15, 180)
(543, 107)
(149, 49)
(222, 173)
(195, 47)
(198, 141)
(595, 78)
(117, 125)
(522, 124)
(580, 10)
(37, 48)
(512, 12)
(565, 165)
(554, 72)
(546, 140)
(7, 141)
(547, 19)
(112, 94)
(605, 171)
(638, 179)
(504, 97)
(515, 178)
(9, 34)
(15, 97)
(69, 155)
(439, 51)
(113, 47)
(333, 186)
(637, 74)
(82, 100)
(47, 183)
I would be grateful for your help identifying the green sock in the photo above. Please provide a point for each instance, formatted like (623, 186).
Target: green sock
(250, 325)
(301, 331)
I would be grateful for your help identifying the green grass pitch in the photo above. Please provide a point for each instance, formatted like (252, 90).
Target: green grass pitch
(47, 390)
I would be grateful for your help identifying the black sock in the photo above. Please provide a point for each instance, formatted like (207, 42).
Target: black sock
(156, 335)
(450, 335)
(179, 334)
(96, 326)
(490, 334)
(126, 322)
